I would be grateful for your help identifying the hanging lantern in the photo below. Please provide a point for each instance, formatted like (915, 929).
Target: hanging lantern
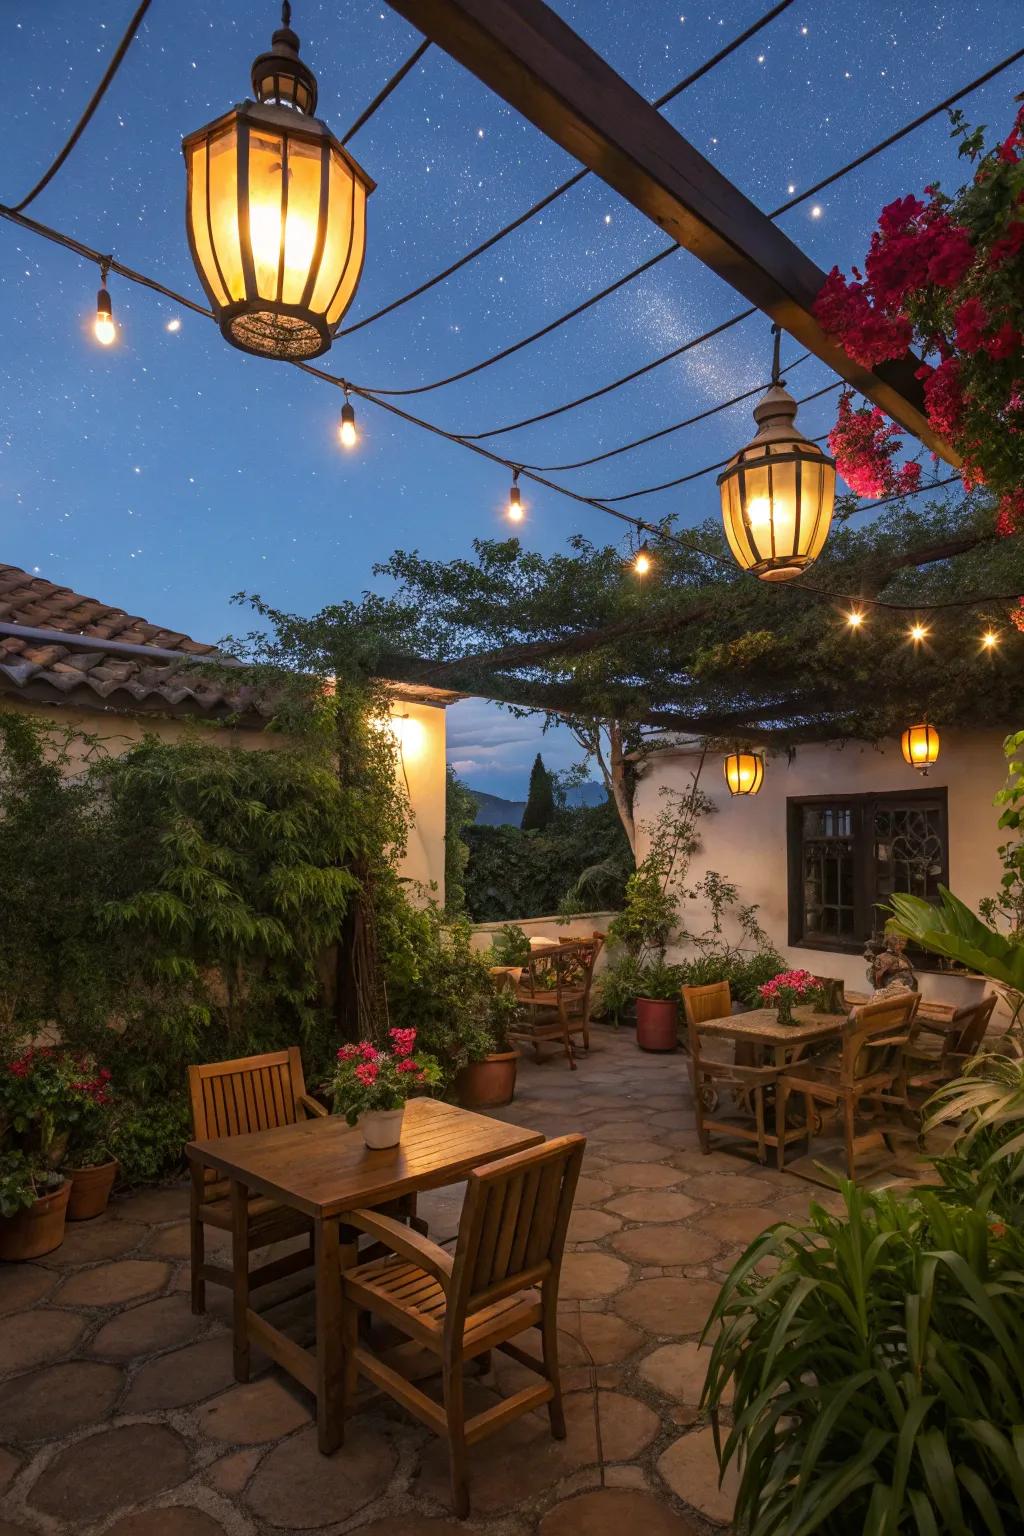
(276, 212)
(777, 492)
(744, 772)
(920, 745)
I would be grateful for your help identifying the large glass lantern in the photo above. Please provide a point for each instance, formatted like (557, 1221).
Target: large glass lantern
(744, 772)
(777, 492)
(920, 746)
(276, 212)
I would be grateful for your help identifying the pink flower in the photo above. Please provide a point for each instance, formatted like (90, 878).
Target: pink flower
(404, 1041)
(944, 398)
(1003, 343)
(367, 1051)
(349, 1053)
(406, 1065)
(1010, 513)
(366, 1072)
(971, 320)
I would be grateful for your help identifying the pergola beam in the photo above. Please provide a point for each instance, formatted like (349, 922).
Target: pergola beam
(541, 67)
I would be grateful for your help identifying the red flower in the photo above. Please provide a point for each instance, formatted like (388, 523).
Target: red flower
(864, 443)
(944, 398)
(951, 257)
(971, 320)
(406, 1065)
(1017, 615)
(1010, 513)
(366, 1072)
(404, 1041)
(349, 1053)
(1003, 343)
(1008, 246)
(866, 334)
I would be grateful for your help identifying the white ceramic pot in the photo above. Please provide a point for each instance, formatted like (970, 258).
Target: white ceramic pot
(382, 1127)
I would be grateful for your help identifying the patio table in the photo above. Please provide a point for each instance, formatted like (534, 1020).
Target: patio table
(785, 1042)
(321, 1168)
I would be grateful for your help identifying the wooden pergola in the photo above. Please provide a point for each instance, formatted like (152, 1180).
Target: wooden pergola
(540, 66)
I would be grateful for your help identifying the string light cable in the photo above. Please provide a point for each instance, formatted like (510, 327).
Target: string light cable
(117, 58)
(574, 180)
(386, 90)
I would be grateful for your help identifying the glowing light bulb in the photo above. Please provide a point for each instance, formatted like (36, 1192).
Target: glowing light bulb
(989, 639)
(347, 427)
(104, 328)
(855, 618)
(515, 502)
(643, 562)
(759, 512)
(918, 632)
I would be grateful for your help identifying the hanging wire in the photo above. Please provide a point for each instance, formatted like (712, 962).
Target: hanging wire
(383, 94)
(559, 191)
(86, 117)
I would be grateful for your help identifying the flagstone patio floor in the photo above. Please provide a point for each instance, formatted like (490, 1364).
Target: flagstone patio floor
(119, 1412)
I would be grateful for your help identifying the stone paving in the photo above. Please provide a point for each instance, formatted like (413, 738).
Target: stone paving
(119, 1413)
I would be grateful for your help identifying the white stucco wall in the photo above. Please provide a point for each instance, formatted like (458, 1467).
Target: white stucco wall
(745, 840)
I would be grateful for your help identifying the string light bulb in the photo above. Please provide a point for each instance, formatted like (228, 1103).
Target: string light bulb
(855, 618)
(515, 500)
(989, 640)
(643, 562)
(917, 633)
(104, 328)
(347, 425)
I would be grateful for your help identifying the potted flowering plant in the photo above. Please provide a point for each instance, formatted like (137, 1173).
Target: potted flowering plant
(787, 989)
(371, 1086)
(89, 1162)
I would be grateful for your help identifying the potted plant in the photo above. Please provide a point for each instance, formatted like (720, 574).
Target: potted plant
(488, 1079)
(371, 1086)
(657, 1006)
(510, 948)
(785, 990)
(89, 1162)
(33, 1204)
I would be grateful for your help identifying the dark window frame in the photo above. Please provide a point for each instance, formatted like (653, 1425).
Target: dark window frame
(866, 918)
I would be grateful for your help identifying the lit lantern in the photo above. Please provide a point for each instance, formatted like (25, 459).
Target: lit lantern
(276, 212)
(920, 745)
(744, 772)
(777, 492)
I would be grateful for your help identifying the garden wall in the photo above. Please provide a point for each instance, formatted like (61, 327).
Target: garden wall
(579, 927)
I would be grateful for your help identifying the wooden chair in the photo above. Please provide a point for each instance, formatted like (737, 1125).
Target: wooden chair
(715, 1076)
(930, 1063)
(230, 1098)
(868, 1069)
(555, 990)
(511, 1238)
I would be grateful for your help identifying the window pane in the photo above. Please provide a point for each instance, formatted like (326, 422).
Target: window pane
(909, 849)
(827, 867)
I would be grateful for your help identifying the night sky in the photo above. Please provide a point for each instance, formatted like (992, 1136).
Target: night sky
(170, 471)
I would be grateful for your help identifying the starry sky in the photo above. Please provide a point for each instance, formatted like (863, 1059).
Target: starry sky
(170, 471)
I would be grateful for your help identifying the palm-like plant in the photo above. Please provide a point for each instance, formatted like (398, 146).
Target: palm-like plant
(952, 930)
(877, 1373)
(987, 1104)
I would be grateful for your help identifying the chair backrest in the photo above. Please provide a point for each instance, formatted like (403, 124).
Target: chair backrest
(565, 967)
(513, 1224)
(968, 1026)
(253, 1093)
(711, 1002)
(891, 1023)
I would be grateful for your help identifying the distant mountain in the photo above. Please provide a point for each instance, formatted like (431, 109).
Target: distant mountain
(496, 811)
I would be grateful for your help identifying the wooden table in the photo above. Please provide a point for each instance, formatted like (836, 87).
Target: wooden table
(785, 1042)
(321, 1168)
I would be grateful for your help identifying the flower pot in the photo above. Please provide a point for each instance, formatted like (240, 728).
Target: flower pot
(487, 1084)
(90, 1190)
(657, 1023)
(39, 1230)
(381, 1127)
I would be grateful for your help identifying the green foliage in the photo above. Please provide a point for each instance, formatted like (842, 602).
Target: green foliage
(22, 1183)
(744, 970)
(1008, 906)
(876, 1372)
(514, 874)
(148, 1137)
(460, 810)
(540, 798)
(440, 986)
(649, 916)
(510, 946)
(951, 929)
(986, 1103)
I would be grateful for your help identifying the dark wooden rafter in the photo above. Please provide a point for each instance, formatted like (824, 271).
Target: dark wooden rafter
(541, 67)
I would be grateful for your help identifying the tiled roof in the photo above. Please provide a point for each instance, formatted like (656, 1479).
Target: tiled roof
(47, 671)
(96, 678)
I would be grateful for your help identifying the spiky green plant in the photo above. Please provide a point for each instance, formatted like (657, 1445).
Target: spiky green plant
(986, 1104)
(878, 1373)
(952, 930)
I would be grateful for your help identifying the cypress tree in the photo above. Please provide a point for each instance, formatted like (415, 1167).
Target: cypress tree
(540, 802)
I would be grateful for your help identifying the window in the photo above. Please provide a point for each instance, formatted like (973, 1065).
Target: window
(848, 853)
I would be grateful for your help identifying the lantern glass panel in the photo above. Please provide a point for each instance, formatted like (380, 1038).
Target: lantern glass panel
(222, 170)
(200, 225)
(353, 269)
(343, 192)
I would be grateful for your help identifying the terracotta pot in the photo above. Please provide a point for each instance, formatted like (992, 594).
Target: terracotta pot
(39, 1230)
(657, 1023)
(381, 1127)
(90, 1190)
(489, 1083)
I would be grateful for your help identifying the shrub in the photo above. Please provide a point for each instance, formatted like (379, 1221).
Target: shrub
(510, 946)
(877, 1372)
(986, 1166)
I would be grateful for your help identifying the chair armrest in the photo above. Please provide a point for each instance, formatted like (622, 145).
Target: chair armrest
(403, 1241)
(938, 1026)
(314, 1109)
(887, 1040)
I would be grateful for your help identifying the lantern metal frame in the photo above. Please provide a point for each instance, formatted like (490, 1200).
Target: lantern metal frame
(734, 781)
(778, 443)
(287, 92)
(932, 744)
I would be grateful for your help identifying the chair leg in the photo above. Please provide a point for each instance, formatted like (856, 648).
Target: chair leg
(848, 1138)
(781, 1101)
(350, 1319)
(762, 1150)
(809, 1112)
(197, 1242)
(549, 1351)
(455, 1412)
(567, 1039)
(240, 1268)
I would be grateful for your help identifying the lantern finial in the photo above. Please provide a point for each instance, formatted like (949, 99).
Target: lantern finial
(280, 78)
